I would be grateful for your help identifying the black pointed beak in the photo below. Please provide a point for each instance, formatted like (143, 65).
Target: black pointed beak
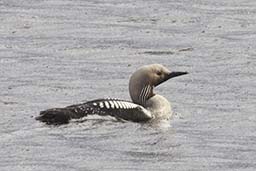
(171, 75)
(175, 74)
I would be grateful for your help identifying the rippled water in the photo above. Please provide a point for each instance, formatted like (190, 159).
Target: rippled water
(55, 53)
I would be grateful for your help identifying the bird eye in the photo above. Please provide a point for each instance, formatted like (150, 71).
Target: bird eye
(158, 73)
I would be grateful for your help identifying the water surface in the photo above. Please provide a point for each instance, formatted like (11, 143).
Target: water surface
(55, 53)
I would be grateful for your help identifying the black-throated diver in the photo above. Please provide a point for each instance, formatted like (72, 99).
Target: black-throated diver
(145, 105)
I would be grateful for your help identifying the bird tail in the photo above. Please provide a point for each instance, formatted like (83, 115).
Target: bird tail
(58, 116)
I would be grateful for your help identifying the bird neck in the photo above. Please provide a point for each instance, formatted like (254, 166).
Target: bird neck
(159, 107)
(140, 93)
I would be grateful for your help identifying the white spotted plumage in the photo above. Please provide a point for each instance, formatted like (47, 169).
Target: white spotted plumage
(124, 105)
(116, 104)
(112, 105)
(128, 105)
(101, 105)
(120, 104)
(106, 104)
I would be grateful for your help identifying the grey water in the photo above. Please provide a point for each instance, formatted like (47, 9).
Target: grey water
(55, 53)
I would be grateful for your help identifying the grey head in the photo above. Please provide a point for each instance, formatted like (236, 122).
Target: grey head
(146, 78)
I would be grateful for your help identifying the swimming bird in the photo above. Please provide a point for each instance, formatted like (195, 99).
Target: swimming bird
(145, 105)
